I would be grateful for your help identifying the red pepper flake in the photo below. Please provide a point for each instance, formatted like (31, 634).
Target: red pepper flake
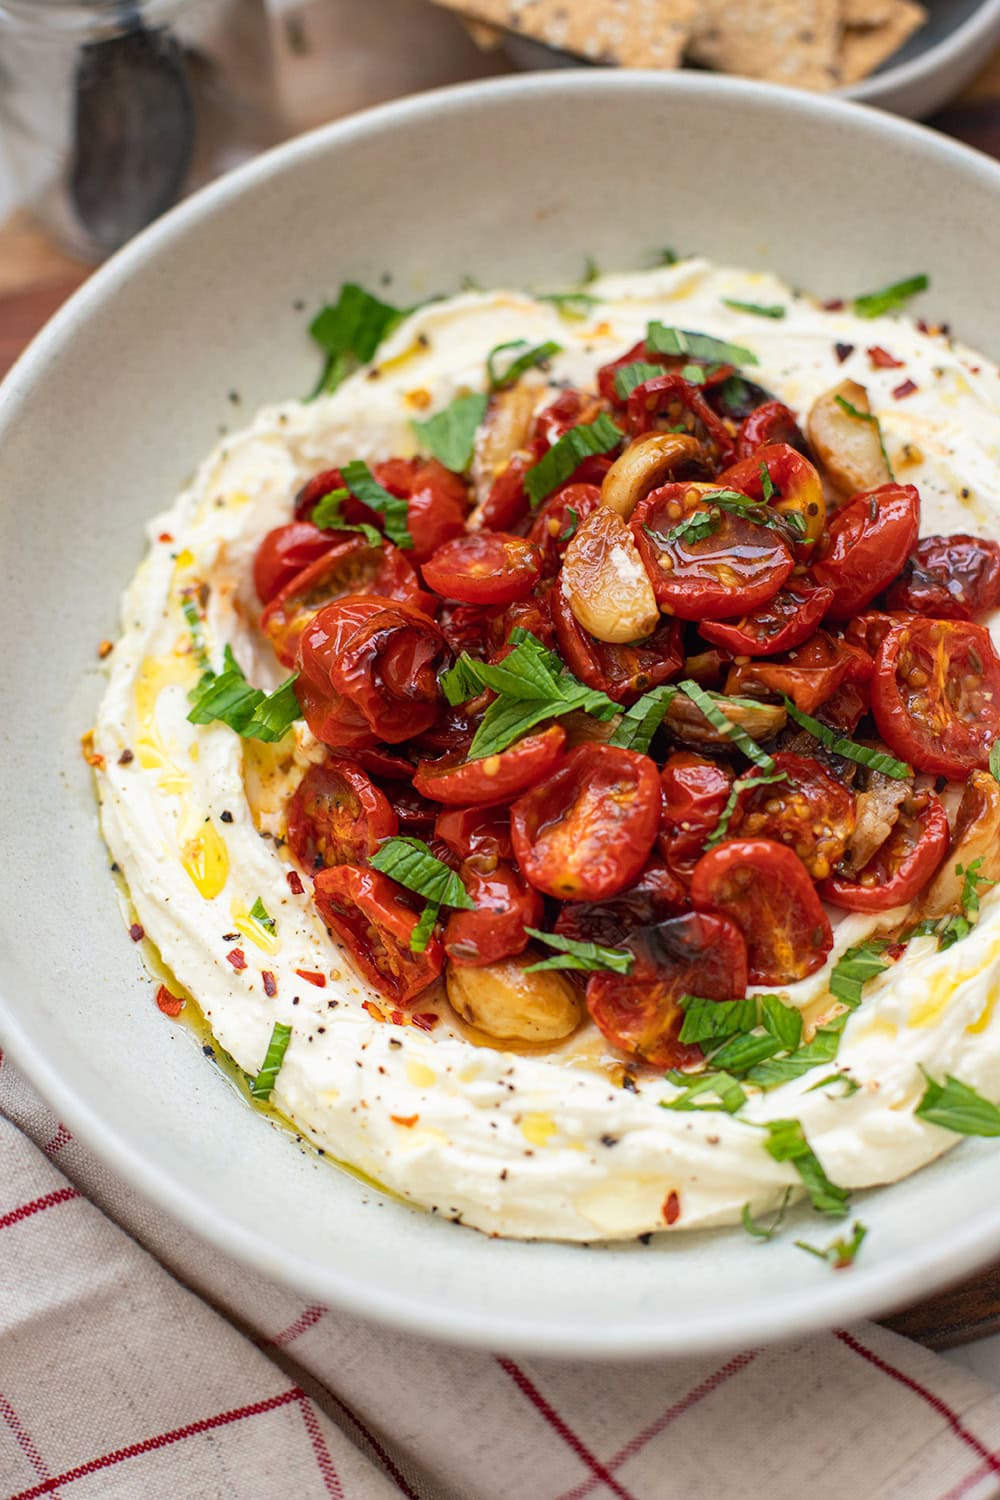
(104, 649)
(397, 1018)
(671, 1208)
(270, 983)
(319, 980)
(408, 1120)
(843, 351)
(237, 959)
(166, 536)
(895, 953)
(372, 1010)
(425, 1020)
(170, 1004)
(906, 389)
(294, 883)
(127, 757)
(882, 360)
(90, 755)
(835, 304)
(137, 932)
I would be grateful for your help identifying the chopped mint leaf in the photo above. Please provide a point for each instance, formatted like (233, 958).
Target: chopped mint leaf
(891, 298)
(760, 1230)
(786, 1141)
(259, 913)
(678, 342)
(956, 1106)
(568, 453)
(411, 863)
(759, 309)
(261, 1086)
(588, 957)
(540, 354)
(864, 755)
(841, 1252)
(349, 331)
(450, 435)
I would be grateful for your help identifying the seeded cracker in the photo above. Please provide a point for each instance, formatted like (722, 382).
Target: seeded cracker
(785, 41)
(864, 50)
(632, 33)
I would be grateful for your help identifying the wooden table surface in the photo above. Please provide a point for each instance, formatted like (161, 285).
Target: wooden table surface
(35, 278)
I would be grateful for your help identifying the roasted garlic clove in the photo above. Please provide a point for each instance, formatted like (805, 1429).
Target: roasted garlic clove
(503, 1001)
(647, 462)
(976, 836)
(847, 447)
(604, 581)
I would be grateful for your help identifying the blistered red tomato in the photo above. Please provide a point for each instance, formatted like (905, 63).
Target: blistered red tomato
(670, 401)
(505, 906)
(785, 621)
(936, 695)
(809, 811)
(695, 954)
(867, 543)
(898, 872)
(368, 913)
(287, 551)
(809, 674)
(337, 816)
(793, 489)
(348, 568)
(436, 508)
(485, 567)
(949, 578)
(722, 569)
(770, 423)
(493, 778)
(556, 523)
(694, 793)
(369, 672)
(767, 891)
(507, 502)
(477, 833)
(585, 832)
(623, 672)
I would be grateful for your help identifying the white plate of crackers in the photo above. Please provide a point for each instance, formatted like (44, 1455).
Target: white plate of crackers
(909, 56)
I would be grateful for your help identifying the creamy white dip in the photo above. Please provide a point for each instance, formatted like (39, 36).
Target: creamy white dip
(545, 1144)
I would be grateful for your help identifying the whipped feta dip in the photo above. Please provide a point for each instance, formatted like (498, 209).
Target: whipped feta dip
(534, 1143)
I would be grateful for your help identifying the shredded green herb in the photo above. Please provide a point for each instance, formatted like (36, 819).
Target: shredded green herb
(227, 698)
(633, 375)
(786, 1141)
(410, 862)
(715, 716)
(450, 435)
(540, 354)
(864, 755)
(349, 331)
(873, 421)
(640, 723)
(363, 485)
(259, 913)
(591, 958)
(890, 298)
(842, 1252)
(568, 453)
(760, 1230)
(855, 967)
(678, 342)
(328, 515)
(261, 1086)
(958, 1107)
(759, 309)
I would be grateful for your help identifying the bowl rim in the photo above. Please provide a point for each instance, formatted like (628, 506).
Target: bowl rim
(868, 1291)
(978, 27)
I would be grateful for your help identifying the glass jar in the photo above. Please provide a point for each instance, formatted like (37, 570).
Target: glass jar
(112, 110)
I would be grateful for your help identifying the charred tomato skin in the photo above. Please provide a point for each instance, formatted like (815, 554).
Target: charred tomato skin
(655, 896)
(585, 832)
(949, 578)
(767, 891)
(810, 812)
(700, 953)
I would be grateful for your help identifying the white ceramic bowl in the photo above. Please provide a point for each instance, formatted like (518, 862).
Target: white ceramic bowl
(936, 62)
(111, 408)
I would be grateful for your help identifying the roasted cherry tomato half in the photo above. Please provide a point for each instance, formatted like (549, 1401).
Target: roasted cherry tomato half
(694, 794)
(493, 778)
(481, 834)
(867, 543)
(656, 895)
(623, 672)
(794, 487)
(507, 502)
(505, 905)
(416, 816)
(869, 629)
(571, 408)
(347, 568)
(809, 674)
(723, 572)
(768, 893)
(669, 401)
(287, 551)
(949, 578)
(436, 508)
(451, 734)
(771, 423)
(785, 621)
(557, 521)
(695, 954)
(337, 816)
(585, 832)
(465, 627)
(901, 868)
(485, 567)
(533, 614)
(936, 695)
(809, 811)
(369, 672)
(313, 491)
(607, 373)
(367, 912)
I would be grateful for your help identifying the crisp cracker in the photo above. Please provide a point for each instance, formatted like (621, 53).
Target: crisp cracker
(784, 41)
(865, 49)
(632, 33)
(865, 13)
